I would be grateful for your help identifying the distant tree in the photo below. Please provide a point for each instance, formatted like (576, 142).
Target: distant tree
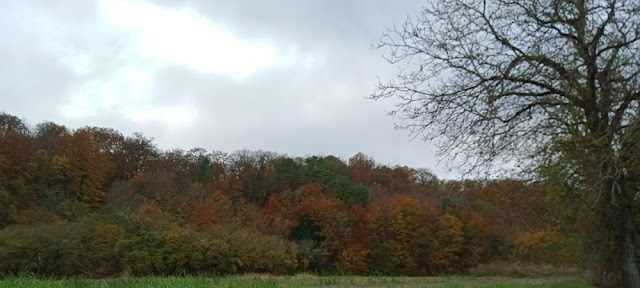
(338, 164)
(10, 122)
(139, 151)
(554, 84)
(319, 170)
(108, 139)
(423, 176)
(84, 168)
(47, 133)
(450, 240)
(253, 169)
(350, 194)
(204, 170)
(15, 172)
(111, 146)
(306, 230)
(409, 233)
(360, 166)
(288, 174)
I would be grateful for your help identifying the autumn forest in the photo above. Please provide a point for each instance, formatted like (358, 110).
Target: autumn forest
(93, 202)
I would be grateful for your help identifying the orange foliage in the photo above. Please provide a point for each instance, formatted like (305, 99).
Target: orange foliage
(273, 208)
(360, 166)
(87, 168)
(203, 215)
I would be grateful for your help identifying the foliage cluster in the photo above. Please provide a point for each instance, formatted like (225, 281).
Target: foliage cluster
(91, 202)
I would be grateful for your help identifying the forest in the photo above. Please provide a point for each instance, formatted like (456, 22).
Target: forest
(93, 202)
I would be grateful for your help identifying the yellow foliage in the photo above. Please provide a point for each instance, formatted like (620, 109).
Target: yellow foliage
(222, 205)
(353, 259)
(537, 247)
(61, 167)
(450, 239)
(405, 216)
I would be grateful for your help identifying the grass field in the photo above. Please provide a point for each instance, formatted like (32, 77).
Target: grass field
(257, 281)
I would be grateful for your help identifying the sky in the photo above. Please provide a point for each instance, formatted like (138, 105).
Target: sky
(284, 76)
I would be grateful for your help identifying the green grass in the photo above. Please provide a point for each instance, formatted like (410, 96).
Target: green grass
(259, 281)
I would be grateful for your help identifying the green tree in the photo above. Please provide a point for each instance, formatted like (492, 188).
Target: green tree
(321, 171)
(288, 174)
(306, 230)
(204, 170)
(550, 83)
(350, 194)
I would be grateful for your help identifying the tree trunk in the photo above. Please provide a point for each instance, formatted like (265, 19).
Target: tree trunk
(627, 239)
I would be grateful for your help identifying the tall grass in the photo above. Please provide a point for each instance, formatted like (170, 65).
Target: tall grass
(259, 281)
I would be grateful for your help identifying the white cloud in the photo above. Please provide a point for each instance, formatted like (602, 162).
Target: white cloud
(78, 107)
(111, 93)
(117, 56)
(183, 37)
(170, 117)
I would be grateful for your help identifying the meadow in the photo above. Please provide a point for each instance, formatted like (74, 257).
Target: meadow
(258, 281)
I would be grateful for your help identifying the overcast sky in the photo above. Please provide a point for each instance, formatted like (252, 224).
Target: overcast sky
(284, 76)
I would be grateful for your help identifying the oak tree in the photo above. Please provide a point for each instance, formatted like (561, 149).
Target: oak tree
(550, 83)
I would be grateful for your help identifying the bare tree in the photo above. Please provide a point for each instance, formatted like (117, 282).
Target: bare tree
(552, 83)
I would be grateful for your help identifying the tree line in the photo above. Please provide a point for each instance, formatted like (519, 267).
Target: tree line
(92, 202)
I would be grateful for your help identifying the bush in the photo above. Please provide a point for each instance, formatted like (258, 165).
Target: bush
(543, 247)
